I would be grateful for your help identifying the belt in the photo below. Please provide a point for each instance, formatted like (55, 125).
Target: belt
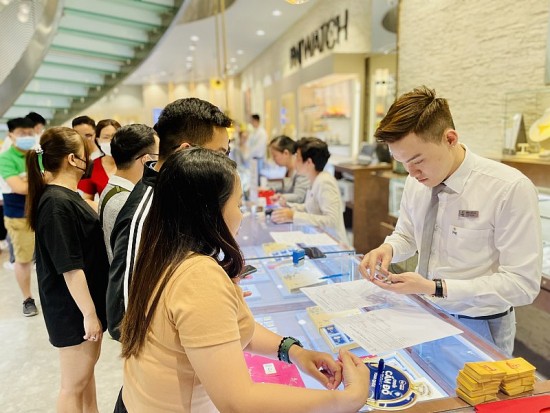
(486, 317)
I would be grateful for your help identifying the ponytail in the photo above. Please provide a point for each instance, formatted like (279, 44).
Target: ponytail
(37, 185)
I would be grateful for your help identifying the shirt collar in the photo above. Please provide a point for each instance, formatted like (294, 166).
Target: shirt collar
(457, 180)
(122, 182)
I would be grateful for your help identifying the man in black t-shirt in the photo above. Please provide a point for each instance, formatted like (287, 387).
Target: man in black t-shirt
(182, 124)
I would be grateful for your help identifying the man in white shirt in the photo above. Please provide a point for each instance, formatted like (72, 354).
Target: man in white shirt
(131, 147)
(257, 140)
(486, 249)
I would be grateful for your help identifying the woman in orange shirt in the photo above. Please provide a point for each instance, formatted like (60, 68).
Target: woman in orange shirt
(187, 323)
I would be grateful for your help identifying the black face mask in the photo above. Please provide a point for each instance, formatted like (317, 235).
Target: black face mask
(88, 170)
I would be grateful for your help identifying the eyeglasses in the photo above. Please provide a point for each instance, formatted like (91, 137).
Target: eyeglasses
(226, 152)
(153, 156)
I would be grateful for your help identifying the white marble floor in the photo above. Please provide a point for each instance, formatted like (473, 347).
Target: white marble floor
(29, 364)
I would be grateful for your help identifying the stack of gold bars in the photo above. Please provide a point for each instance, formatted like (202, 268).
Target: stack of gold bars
(519, 378)
(480, 382)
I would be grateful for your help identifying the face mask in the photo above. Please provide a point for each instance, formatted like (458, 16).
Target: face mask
(88, 170)
(105, 148)
(25, 143)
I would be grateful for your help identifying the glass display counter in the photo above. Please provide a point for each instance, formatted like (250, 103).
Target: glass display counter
(432, 366)
(257, 235)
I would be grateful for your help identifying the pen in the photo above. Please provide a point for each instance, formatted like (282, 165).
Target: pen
(378, 383)
(326, 277)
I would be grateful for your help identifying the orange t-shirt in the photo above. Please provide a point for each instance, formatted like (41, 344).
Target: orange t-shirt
(199, 307)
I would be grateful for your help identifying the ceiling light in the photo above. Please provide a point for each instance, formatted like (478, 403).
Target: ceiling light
(240, 51)
(192, 48)
(297, 1)
(260, 32)
(194, 38)
(233, 59)
(276, 13)
(189, 58)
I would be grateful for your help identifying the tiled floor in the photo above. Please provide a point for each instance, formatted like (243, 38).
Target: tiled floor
(29, 364)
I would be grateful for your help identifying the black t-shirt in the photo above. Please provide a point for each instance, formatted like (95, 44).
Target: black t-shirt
(68, 237)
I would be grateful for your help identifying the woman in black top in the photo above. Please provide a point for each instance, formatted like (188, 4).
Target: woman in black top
(71, 262)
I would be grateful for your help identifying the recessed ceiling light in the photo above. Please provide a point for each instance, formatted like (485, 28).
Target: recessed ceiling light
(189, 58)
(194, 38)
(260, 33)
(240, 51)
(192, 47)
(297, 1)
(233, 59)
(276, 13)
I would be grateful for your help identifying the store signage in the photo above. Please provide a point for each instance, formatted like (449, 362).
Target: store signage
(325, 37)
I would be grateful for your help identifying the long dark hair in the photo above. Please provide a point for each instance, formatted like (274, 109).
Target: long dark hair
(185, 218)
(55, 144)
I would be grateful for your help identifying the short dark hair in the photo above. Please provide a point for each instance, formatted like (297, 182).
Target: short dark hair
(418, 111)
(190, 120)
(83, 120)
(256, 117)
(19, 123)
(186, 218)
(36, 118)
(314, 149)
(130, 142)
(282, 143)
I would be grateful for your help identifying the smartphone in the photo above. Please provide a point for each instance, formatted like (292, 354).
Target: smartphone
(247, 270)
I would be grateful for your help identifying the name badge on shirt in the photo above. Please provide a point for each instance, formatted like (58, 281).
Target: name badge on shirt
(468, 214)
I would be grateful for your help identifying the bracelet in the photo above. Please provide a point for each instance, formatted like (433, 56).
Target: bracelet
(284, 347)
(438, 288)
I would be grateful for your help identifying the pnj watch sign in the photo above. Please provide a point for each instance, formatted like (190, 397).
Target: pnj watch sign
(326, 37)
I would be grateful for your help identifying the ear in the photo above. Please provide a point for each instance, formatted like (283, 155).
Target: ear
(184, 145)
(71, 159)
(451, 137)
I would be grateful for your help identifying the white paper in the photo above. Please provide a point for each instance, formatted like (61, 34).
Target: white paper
(392, 329)
(333, 298)
(295, 237)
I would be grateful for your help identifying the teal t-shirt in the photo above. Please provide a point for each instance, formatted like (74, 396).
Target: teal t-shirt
(12, 163)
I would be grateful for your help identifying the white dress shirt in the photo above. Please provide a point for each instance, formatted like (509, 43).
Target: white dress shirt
(487, 242)
(323, 207)
(257, 143)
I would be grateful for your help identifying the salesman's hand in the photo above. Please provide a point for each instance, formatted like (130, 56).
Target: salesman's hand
(282, 215)
(407, 283)
(321, 366)
(376, 262)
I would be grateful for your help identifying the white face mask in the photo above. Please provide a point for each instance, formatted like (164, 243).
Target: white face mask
(106, 148)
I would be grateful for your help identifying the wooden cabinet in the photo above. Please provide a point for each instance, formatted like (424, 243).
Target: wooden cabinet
(370, 203)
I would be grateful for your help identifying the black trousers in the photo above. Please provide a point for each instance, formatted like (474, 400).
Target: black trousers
(119, 406)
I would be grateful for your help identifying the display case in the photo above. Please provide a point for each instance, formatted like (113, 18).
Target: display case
(523, 109)
(328, 110)
(259, 238)
(432, 366)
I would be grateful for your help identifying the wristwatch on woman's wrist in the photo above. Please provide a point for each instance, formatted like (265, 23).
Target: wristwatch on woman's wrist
(284, 347)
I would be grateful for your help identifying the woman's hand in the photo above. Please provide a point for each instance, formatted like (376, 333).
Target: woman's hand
(321, 366)
(92, 328)
(282, 215)
(356, 376)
